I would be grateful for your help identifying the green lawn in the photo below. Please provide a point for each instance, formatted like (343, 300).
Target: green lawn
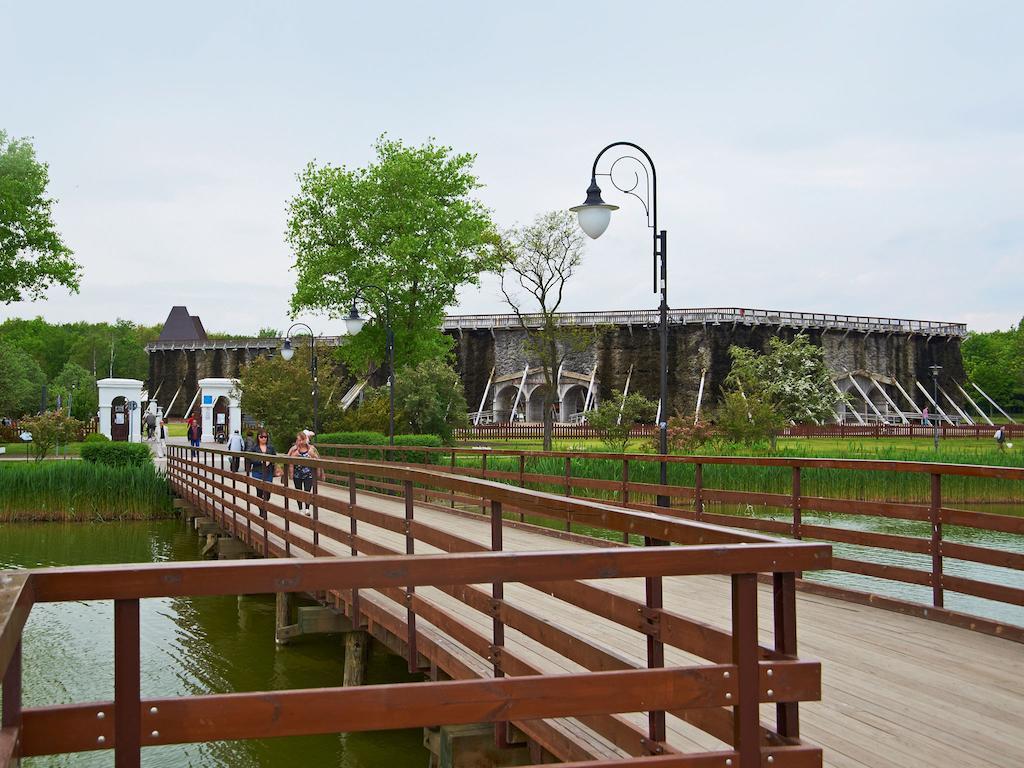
(18, 450)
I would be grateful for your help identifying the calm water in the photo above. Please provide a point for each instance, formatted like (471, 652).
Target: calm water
(189, 646)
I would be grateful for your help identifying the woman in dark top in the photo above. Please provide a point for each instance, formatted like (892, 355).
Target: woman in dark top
(303, 476)
(264, 470)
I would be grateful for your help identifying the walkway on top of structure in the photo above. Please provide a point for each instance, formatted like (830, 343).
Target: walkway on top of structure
(895, 690)
(648, 317)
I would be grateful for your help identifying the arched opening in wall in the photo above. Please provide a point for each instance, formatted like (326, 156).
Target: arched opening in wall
(120, 419)
(573, 402)
(535, 404)
(504, 398)
(220, 419)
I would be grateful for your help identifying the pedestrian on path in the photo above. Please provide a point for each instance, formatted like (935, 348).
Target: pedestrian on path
(264, 470)
(302, 476)
(195, 433)
(235, 443)
(1000, 437)
(161, 438)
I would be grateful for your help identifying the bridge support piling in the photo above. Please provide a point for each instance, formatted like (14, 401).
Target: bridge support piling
(282, 617)
(357, 655)
(471, 746)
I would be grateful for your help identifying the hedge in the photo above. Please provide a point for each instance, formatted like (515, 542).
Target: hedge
(375, 439)
(96, 437)
(117, 454)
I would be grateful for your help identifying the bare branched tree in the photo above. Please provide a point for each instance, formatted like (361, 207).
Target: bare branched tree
(539, 259)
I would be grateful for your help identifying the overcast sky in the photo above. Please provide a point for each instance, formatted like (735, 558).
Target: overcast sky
(855, 157)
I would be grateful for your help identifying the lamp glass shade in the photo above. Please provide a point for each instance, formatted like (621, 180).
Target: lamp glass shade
(594, 219)
(287, 352)
(354, 323)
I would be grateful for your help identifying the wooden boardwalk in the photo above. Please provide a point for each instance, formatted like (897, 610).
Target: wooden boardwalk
(896, 690)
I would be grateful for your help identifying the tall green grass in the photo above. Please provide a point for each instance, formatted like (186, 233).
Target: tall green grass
(81, 491)
(836, 483)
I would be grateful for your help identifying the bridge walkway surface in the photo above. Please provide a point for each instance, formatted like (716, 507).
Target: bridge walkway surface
(896, 690)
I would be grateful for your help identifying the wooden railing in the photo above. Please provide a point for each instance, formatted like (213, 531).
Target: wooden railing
(535, 431)
(720, 697)
(690, 501)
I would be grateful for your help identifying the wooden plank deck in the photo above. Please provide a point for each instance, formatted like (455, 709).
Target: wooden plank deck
(896, 690)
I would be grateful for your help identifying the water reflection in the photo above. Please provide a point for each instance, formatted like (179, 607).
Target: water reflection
(188, 646)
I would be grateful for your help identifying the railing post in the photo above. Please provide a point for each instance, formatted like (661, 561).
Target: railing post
(935, 515)
(568, 488)
(497, 625)
(12, 696)
(451, 493)
(127, 685)
(410, 547)
(624, 494)
(483, 476)
(287, 525)
(698, 491)
(522, 480)
(655, 648)
(787, 715)
(316, 512)
(795, 503)
(746, 720)
(353, 529)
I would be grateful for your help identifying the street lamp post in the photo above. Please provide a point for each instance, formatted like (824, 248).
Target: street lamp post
(288, 352)
(935, 396)
(354, 324)
(594, 215)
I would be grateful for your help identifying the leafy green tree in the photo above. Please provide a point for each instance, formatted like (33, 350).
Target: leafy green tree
(431, 398)
(614, 418)
(995, 362)
(748, 419)
(765, 391)
(408, 222)
(33, 256)
(79, 383)
(369, 415)
(539, 259)
(268, 333)
(791, 377)
(21, 382)
(48, 429)
(278, 393)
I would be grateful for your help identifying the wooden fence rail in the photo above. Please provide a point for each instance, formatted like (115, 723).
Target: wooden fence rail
(691, 502)
(721, 695)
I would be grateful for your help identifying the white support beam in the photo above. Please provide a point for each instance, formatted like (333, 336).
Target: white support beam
(588, 401)
(625, 394)
(700, 396)
(889, 400)
(864, 395)
(932, 401)
(519, 394)
(983, 394)
(842, 396)
(956, 407)
(167, 413)
(910, 400)
(483, 400)
(192, 404)
(971, 401)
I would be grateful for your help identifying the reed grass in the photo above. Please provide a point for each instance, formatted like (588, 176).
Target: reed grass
(81, 491)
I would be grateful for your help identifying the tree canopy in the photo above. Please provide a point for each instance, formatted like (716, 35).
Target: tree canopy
(21, 382)
(33, 256)
(538, 260)
(791, 378)
(995, 362)
(407, 222)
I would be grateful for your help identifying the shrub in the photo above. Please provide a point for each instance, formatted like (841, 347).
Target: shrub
(417, 457)
(96, 437)
(376, 439)
(614, 418)
(117, 454)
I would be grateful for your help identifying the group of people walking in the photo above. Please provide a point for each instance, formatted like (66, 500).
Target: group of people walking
(266, 470)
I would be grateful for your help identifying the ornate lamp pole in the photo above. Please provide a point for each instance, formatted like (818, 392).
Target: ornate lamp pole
(354, 323)
(287, 352)
(935, 396)
(594, 215)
